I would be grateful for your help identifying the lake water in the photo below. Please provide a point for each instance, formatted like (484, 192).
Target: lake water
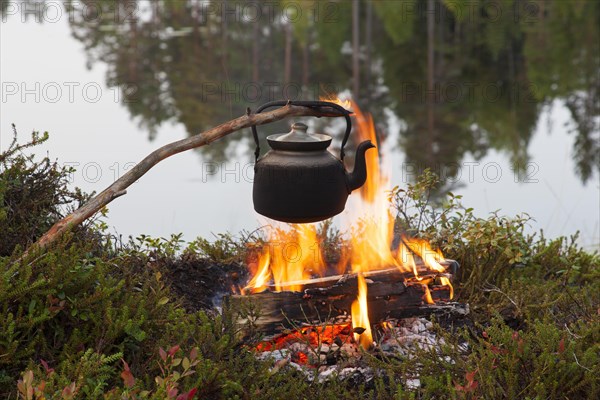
(494, 105)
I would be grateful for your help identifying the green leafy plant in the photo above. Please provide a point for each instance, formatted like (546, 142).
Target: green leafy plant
(33, 194)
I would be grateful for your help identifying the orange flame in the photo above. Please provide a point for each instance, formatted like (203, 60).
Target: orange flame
(332, 98)
(263, 273)
(376, 180)
(360, 315)
(289, 256)
(428, 299)
(430, 257)
(372, 236)
(406, 258)
(446, 282)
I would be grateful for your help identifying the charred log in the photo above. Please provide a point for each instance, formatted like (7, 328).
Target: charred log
(390, 295)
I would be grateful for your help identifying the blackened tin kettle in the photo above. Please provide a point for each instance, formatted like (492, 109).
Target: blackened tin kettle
(298, 180)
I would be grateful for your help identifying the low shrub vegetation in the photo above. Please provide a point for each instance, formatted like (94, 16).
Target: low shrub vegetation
(98, 318)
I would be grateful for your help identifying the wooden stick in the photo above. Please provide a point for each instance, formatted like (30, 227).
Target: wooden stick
(118, 188)
(391, 273)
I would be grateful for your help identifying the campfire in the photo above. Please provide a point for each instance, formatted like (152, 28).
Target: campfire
(300, 302)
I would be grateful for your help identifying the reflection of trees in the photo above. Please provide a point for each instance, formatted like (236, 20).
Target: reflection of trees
(180, 61)
(201, 65)
(563, 60)
(585, 110)
(484, 94)
(479, 96)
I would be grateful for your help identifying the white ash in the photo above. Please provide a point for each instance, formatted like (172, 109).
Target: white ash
(275, 355)
(413, 383)
(326, 373)
(401, 340)
(410, 334)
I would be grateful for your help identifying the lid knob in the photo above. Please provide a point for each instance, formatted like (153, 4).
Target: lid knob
(299, 126)
(299, 133)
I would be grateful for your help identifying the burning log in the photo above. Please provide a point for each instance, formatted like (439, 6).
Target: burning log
(391, 294)
(389, 275)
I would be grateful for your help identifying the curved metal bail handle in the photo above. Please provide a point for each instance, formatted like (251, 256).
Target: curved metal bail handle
(306, 103)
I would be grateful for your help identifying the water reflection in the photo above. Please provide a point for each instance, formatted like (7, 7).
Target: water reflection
(463, 77)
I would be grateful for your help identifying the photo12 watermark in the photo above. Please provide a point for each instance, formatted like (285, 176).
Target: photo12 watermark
(467, 92)
(489, 172)
(94, 172)
(248, 92)
(203, 12)
(70, 92)
(473, 171)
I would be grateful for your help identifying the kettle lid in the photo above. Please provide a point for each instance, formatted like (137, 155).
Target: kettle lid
(299, 139)
(299, 133)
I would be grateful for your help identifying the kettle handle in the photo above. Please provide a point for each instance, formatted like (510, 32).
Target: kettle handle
(305, 103)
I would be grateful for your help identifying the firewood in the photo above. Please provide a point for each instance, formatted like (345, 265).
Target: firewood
(389, 295)
(393, 274)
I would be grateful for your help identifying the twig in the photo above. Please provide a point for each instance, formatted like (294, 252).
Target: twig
(577, 362)
(118, 187)
(571, 333)
(568, 292)
(493, 288)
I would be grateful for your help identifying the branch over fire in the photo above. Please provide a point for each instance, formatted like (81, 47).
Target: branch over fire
(118, 188)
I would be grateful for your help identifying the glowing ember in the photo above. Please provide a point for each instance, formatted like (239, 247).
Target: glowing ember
(313, 335)
(360, 315)
(387, 326)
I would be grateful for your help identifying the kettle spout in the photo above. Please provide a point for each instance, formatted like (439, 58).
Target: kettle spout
(358, 176)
